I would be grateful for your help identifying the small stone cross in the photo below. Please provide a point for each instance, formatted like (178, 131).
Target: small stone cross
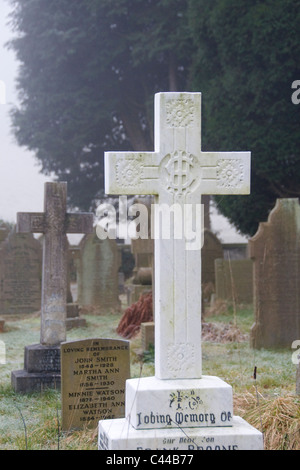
(177, 172)
(54, 223)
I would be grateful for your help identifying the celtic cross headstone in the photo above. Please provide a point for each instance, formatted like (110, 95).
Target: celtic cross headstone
(178, 408)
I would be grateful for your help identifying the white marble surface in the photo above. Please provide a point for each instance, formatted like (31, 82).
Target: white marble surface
(177, 173)
(152, 403)
(118, 434)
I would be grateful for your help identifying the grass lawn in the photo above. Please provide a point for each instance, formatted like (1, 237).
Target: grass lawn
(269, 402)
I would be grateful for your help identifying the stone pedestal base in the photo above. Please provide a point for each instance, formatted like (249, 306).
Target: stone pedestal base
(73, 319)
(190, 414)
(41, 369)
(118, 434)
(152, 403)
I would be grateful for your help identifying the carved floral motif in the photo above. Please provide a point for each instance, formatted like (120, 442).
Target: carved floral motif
(180, 112)
(230, 173)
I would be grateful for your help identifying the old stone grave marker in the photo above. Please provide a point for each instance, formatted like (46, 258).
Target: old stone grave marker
(234, 280)
(42, 361)
(93, 375)
(147, 335)
(97, 275)
(178, 407)
(20, 274)
(211, 250)
(275, 251)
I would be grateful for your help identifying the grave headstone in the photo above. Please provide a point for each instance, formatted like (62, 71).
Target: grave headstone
(142, 250)
(211, 250)
(42, 361)
(234, 280)
(93, 376)
(97, 276)
(160, 409)
(20, 274)
(275, 251)
(4, 231)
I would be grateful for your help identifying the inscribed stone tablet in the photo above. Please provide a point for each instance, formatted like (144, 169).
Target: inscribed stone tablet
(93, 376)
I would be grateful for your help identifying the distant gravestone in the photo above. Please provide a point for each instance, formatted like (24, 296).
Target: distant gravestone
(147, 335)
(234, 280)
(93, 375)
(211, 250)
(3, 233)
(275, 250)
(20, 274)
(97, 276)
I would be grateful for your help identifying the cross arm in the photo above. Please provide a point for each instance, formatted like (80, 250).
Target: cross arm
(31, 222)
(131, 173)
(225, 172)
(79, 223)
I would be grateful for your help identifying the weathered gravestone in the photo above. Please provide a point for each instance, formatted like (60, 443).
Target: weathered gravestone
(142, 250)
(275, 250)
(178, 408)
(20, 274)
(97, 275)
(211, 250)
(234, 280)
(4, 231)
(93, 375)
(42, 361)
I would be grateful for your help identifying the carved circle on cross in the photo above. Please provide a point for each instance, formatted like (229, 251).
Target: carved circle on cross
(179, 172)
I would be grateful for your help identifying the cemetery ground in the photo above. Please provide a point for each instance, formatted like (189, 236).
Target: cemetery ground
(268, 402)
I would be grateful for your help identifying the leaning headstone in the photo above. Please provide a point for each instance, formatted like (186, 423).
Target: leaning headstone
(42, 361)
(142, 250)
(178, 407)
(234, 280)
(275, 251)
(93, 376)
(20, 274)
(97, 276)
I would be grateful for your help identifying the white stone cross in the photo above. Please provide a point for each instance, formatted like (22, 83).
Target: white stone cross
(177, 172)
